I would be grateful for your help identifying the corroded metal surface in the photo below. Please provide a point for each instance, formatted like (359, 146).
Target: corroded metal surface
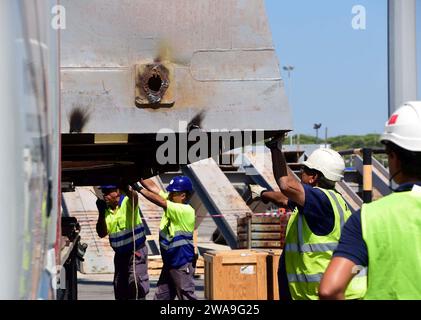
(152, 82)
(219, 55)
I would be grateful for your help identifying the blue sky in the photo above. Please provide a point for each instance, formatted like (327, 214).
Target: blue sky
(340, 76)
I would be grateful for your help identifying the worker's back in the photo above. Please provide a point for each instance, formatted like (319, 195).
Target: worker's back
(391, 230)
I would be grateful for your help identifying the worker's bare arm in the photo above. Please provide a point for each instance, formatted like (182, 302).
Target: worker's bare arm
(289, 185)
(150, 185)
(336, 279)
(154, 198)
(275, 197)
(292, 188)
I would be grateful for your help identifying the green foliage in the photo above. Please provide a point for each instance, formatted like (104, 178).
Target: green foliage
(343, 142)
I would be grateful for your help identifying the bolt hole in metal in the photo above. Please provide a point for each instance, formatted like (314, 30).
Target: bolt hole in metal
(155, 83)
(152, 84)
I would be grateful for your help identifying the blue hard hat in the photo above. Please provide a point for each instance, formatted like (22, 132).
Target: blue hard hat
(180, 183)
(108, 186)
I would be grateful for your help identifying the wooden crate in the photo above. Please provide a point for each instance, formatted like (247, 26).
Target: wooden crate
(262, 231)
(236, 275)
(272, 264)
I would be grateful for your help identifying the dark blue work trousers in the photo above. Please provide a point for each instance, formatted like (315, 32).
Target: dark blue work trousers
(176, 282)
(124, 277)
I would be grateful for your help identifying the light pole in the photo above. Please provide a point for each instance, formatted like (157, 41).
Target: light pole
(326, 137)
(316, 127)
(289, 69)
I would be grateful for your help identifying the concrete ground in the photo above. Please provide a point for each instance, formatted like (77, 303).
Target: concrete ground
(100, 287)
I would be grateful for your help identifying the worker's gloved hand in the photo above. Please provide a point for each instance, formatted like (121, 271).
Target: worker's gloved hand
(127, 187)
(101, 205)
(276, 142)
(136, 186)
(256, 191)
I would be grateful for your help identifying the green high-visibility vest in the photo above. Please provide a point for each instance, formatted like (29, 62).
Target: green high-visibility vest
(391, 229)
(176, 233)
(307, 255)
(124, 228)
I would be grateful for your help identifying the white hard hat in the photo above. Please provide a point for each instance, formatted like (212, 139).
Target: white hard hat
(328, 162)
(404, 127)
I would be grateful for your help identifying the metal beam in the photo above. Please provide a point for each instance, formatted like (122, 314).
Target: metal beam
(381, 169)
(259, 168)
(222, 201)
(235, 177)
(353, 201)
(64, 206)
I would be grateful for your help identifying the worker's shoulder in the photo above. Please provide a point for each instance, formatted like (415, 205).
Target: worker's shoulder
(180, 207)
(124, 201)
(163, 194)
(315, 190)
(313, 194)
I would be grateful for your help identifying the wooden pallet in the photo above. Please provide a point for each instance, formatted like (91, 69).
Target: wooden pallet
(262, 231)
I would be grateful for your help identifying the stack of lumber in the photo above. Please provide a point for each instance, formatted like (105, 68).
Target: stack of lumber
(155, 265)
(262, 231)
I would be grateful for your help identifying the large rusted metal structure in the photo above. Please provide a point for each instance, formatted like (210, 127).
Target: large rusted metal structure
(128, 70)
(135, 68)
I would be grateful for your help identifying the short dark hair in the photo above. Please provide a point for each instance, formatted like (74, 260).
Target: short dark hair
(325, 183)
(410, 160)
(322, 181)
(189, 194)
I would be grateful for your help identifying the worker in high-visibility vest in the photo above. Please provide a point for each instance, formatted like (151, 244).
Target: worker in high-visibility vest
(175, 237)
(386, 235)
(314, 228)
(119, 218)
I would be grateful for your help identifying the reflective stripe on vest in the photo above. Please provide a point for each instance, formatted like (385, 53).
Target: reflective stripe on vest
(180, 238)
(164, 236)
(316, 277)
(306, 262)
(177, 243)
(339, 207)
(125, 237)
(316, 247)
(311, 247)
